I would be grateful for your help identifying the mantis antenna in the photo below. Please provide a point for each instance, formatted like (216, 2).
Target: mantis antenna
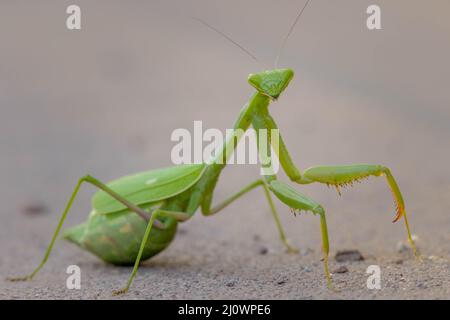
(283, 44)
(229, 39)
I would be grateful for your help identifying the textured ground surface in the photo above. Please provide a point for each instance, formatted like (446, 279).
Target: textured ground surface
(106, 100)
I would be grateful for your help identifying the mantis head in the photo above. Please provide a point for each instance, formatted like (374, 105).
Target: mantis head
(271, 82)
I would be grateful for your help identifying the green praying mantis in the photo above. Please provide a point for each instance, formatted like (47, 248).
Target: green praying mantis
(136, 217)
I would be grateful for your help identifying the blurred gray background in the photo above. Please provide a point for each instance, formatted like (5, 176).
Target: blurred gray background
(104, 100)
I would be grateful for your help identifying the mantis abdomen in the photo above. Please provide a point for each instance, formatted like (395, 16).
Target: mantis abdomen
(116, 238)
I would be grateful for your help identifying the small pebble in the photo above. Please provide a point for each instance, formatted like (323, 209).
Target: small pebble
(263, 250)
(231, 283)
(281, 279)
(305, 252)
(341, 269)
(307, 269)
(348, 255)
(435, 258)
(421, 285)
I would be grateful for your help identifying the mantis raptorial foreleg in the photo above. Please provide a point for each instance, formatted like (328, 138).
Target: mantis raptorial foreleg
(341, 176)
(210, 211)
(89, 179)
(179, 216)
(334, 175)
(262, 120)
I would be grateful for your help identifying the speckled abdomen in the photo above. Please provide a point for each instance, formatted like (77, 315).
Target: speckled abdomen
(116, 238)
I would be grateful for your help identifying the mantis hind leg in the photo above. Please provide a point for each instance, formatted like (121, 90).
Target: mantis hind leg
(210, 211)
(298, 201)
(100, 185)
(341, 176)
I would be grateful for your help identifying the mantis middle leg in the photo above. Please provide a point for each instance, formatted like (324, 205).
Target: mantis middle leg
(298, 201)
(294, 200)
(207, 211)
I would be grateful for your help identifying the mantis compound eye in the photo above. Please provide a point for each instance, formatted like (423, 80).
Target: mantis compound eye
(272, 82)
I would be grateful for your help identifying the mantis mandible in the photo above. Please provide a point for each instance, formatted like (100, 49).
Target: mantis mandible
(136, 217)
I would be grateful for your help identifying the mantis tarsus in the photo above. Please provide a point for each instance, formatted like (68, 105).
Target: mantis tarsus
(135, 217)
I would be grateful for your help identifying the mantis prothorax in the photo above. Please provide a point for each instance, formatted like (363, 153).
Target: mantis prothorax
(135, 217)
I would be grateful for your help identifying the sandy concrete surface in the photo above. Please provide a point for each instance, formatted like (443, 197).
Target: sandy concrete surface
(105, 100)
